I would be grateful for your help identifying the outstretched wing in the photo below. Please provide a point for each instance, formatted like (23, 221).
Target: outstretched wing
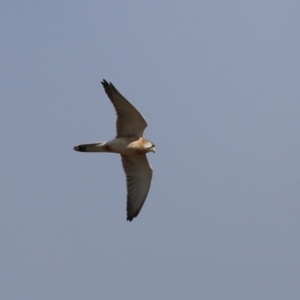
(130, 121)
(138, 175)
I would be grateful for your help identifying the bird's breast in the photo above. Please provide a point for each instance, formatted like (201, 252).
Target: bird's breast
(126, 146)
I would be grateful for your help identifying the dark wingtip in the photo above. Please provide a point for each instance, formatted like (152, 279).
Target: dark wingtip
(106, 85)
(131, 216)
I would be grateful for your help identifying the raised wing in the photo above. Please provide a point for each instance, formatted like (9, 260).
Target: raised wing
(130, 121)
(138, 175)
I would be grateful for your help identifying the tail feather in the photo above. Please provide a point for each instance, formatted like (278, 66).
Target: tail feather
(95, 147)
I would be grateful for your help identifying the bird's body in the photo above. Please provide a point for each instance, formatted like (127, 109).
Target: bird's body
(122, 145)
(132, 147)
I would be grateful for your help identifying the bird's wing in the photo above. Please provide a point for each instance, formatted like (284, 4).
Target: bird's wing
(130, 121)
(138, 176)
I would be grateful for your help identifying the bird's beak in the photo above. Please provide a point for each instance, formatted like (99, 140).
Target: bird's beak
(153, 149)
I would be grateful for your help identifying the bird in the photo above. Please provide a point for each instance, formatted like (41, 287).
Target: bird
(132, 147)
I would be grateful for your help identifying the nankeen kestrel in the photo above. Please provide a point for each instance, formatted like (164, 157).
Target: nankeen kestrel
(130, 143)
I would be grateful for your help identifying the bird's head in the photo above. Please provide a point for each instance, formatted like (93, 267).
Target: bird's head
(153, 148)
(150, 147)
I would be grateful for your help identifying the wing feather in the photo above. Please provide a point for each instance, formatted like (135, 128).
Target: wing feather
(138, 176)
(130, 121)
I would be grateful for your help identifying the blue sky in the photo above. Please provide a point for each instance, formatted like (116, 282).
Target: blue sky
(218, 82)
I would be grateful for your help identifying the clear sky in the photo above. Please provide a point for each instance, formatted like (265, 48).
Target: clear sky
(219, 84)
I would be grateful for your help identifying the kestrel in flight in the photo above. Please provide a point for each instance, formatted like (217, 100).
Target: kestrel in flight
(130, 143)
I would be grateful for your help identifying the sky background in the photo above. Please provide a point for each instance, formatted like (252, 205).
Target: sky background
(218, 82)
